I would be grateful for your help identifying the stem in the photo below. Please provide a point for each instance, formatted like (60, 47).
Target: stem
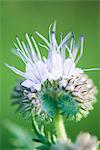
(60, 129)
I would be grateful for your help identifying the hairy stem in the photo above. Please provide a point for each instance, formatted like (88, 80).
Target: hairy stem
(60, 129)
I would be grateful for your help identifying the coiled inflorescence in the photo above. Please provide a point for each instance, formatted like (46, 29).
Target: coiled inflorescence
(54, 83)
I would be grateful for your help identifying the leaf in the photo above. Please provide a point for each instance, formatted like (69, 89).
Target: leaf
(39, 136)
(44, 147)
(21, 137)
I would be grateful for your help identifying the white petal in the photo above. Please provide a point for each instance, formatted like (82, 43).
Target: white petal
(56, 75)
(68, 66)
(75, 72)
(42, 69)
(56, 62)
(31, 73)
(37, 87)
(27, 83)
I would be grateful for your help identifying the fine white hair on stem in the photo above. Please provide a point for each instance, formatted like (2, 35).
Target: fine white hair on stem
(91, 69)
(43, 38)
(81, 49)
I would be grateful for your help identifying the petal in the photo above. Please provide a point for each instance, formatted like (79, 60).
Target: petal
(56, 62)
(75, 71)
(27, 83)
(32, 73)
(37, 87)
(68, 66)
(42, 69)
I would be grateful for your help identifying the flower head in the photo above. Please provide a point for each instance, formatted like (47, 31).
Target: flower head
(84, 141)
(55, 82)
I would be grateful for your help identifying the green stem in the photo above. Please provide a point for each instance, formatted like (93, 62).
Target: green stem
(60, 129)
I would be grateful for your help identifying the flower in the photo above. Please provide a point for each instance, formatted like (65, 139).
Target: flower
(55, 77)
(84, 141)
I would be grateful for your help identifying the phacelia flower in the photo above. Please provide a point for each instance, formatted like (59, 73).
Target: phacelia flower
(84, 141)
(54, 82)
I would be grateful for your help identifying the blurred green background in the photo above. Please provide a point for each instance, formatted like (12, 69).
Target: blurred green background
(18, 17)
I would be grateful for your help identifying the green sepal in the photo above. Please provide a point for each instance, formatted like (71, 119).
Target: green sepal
(68, 106)
(24, 105)
(48, 103)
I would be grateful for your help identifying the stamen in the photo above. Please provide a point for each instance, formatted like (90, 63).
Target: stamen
(81, 48)
(54, 26)
(65, 39)
(50, 32)
(19, 43)
(75, 51)
(19, 53)
(69, 51)
(61, 36)
(44, 59)
(38, 52)
(31, 46)
(43, 38)
(92, 69)
(72, 43)
(44, 46)
(23, 56)
(63, 49)
(16, 70)
(26, 50)
(53, 38)
(14, 52)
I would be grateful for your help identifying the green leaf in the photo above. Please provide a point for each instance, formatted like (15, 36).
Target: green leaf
(44, 147)
(39, 136)
(22, 138)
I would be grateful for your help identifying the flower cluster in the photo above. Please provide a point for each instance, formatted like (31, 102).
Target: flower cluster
(54, 82)
(84, 141)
